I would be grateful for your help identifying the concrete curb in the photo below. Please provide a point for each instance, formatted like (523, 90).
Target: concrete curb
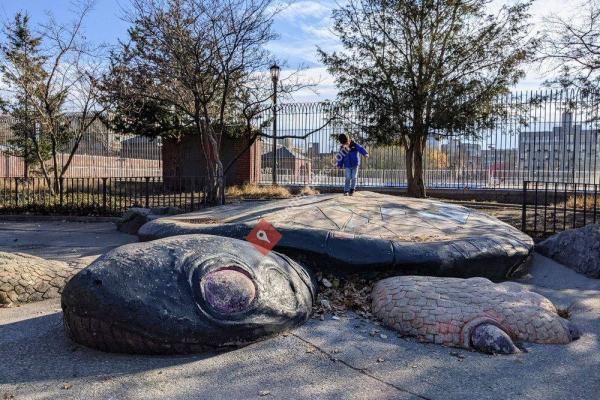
(46, 218)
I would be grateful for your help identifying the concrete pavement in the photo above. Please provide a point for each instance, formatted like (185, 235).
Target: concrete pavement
(338, 358)
(61, 240)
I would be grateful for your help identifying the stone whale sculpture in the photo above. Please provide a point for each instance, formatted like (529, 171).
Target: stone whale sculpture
(185, 294)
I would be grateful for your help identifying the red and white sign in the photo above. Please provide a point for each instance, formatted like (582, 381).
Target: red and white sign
(264, 236)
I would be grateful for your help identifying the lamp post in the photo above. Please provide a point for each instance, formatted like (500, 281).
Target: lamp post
(274, 78)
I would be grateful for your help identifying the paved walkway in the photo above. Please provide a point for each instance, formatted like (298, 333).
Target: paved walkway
(60, 240)
(332, 359)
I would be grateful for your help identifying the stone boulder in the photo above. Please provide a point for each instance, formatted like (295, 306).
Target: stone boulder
(25, 278)
(578, 249)
(135, 217)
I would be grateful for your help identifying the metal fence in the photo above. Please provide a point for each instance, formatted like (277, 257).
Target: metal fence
(550, 207)
(99, 196)
(101, 153)
(538, 136)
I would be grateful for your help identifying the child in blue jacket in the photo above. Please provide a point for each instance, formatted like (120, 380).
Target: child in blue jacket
(348, 158)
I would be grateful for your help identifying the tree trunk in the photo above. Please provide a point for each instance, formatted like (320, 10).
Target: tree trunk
(55, 164)
(43, 166)
(414, 167)
(65, 167)
(215, 187)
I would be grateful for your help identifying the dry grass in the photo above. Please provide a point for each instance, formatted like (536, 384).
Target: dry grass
(581, 202)
(256, 192)
(308, 191)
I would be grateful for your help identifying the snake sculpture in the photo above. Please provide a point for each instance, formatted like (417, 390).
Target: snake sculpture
(199, 287)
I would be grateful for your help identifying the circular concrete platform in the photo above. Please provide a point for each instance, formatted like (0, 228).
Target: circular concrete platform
(367, 232)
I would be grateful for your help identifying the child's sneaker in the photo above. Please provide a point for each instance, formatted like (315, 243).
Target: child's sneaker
(351, 193)
(345, 193)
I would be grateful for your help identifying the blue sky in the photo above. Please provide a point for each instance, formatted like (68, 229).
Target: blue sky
(103, 23)
(302, 26)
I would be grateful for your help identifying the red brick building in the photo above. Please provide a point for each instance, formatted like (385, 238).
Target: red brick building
(292, 165)
(185, 159)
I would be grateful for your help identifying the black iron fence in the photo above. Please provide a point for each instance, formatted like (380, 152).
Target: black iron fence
(545, 136)
(550, 207)
(101, 152)
(99, 196)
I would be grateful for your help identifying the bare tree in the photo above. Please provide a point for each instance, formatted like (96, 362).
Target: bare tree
(63, 94)
(572, 48)
(187, 68)
(254, 99)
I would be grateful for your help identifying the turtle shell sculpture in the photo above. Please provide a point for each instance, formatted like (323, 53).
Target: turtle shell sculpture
(185, 294)
(471, 313)
(369, 232)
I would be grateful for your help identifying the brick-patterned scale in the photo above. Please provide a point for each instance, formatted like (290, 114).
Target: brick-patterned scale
(470, 313)
(25, 278)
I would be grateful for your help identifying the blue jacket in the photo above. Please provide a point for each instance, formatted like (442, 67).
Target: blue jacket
(350, 159)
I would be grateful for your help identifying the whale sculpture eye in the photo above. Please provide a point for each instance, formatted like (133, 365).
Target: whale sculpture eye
(228, 290)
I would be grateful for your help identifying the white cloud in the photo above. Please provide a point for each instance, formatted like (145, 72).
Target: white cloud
(320, 32)
(304, 9)
(302, 53)
(306, 25)
(325, 89)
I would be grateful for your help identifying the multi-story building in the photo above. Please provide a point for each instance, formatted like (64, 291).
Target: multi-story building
(563, 153)
(462, 154)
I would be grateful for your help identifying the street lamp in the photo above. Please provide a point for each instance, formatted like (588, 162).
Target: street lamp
(274, 70)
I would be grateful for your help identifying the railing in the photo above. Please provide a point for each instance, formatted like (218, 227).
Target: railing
(99, 196)
(100, 153)
(550, 207)
(382, 178)
(545, 136)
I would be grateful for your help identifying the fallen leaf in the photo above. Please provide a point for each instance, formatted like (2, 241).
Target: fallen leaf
(379, 360)
(264, 392)
(67, 386)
